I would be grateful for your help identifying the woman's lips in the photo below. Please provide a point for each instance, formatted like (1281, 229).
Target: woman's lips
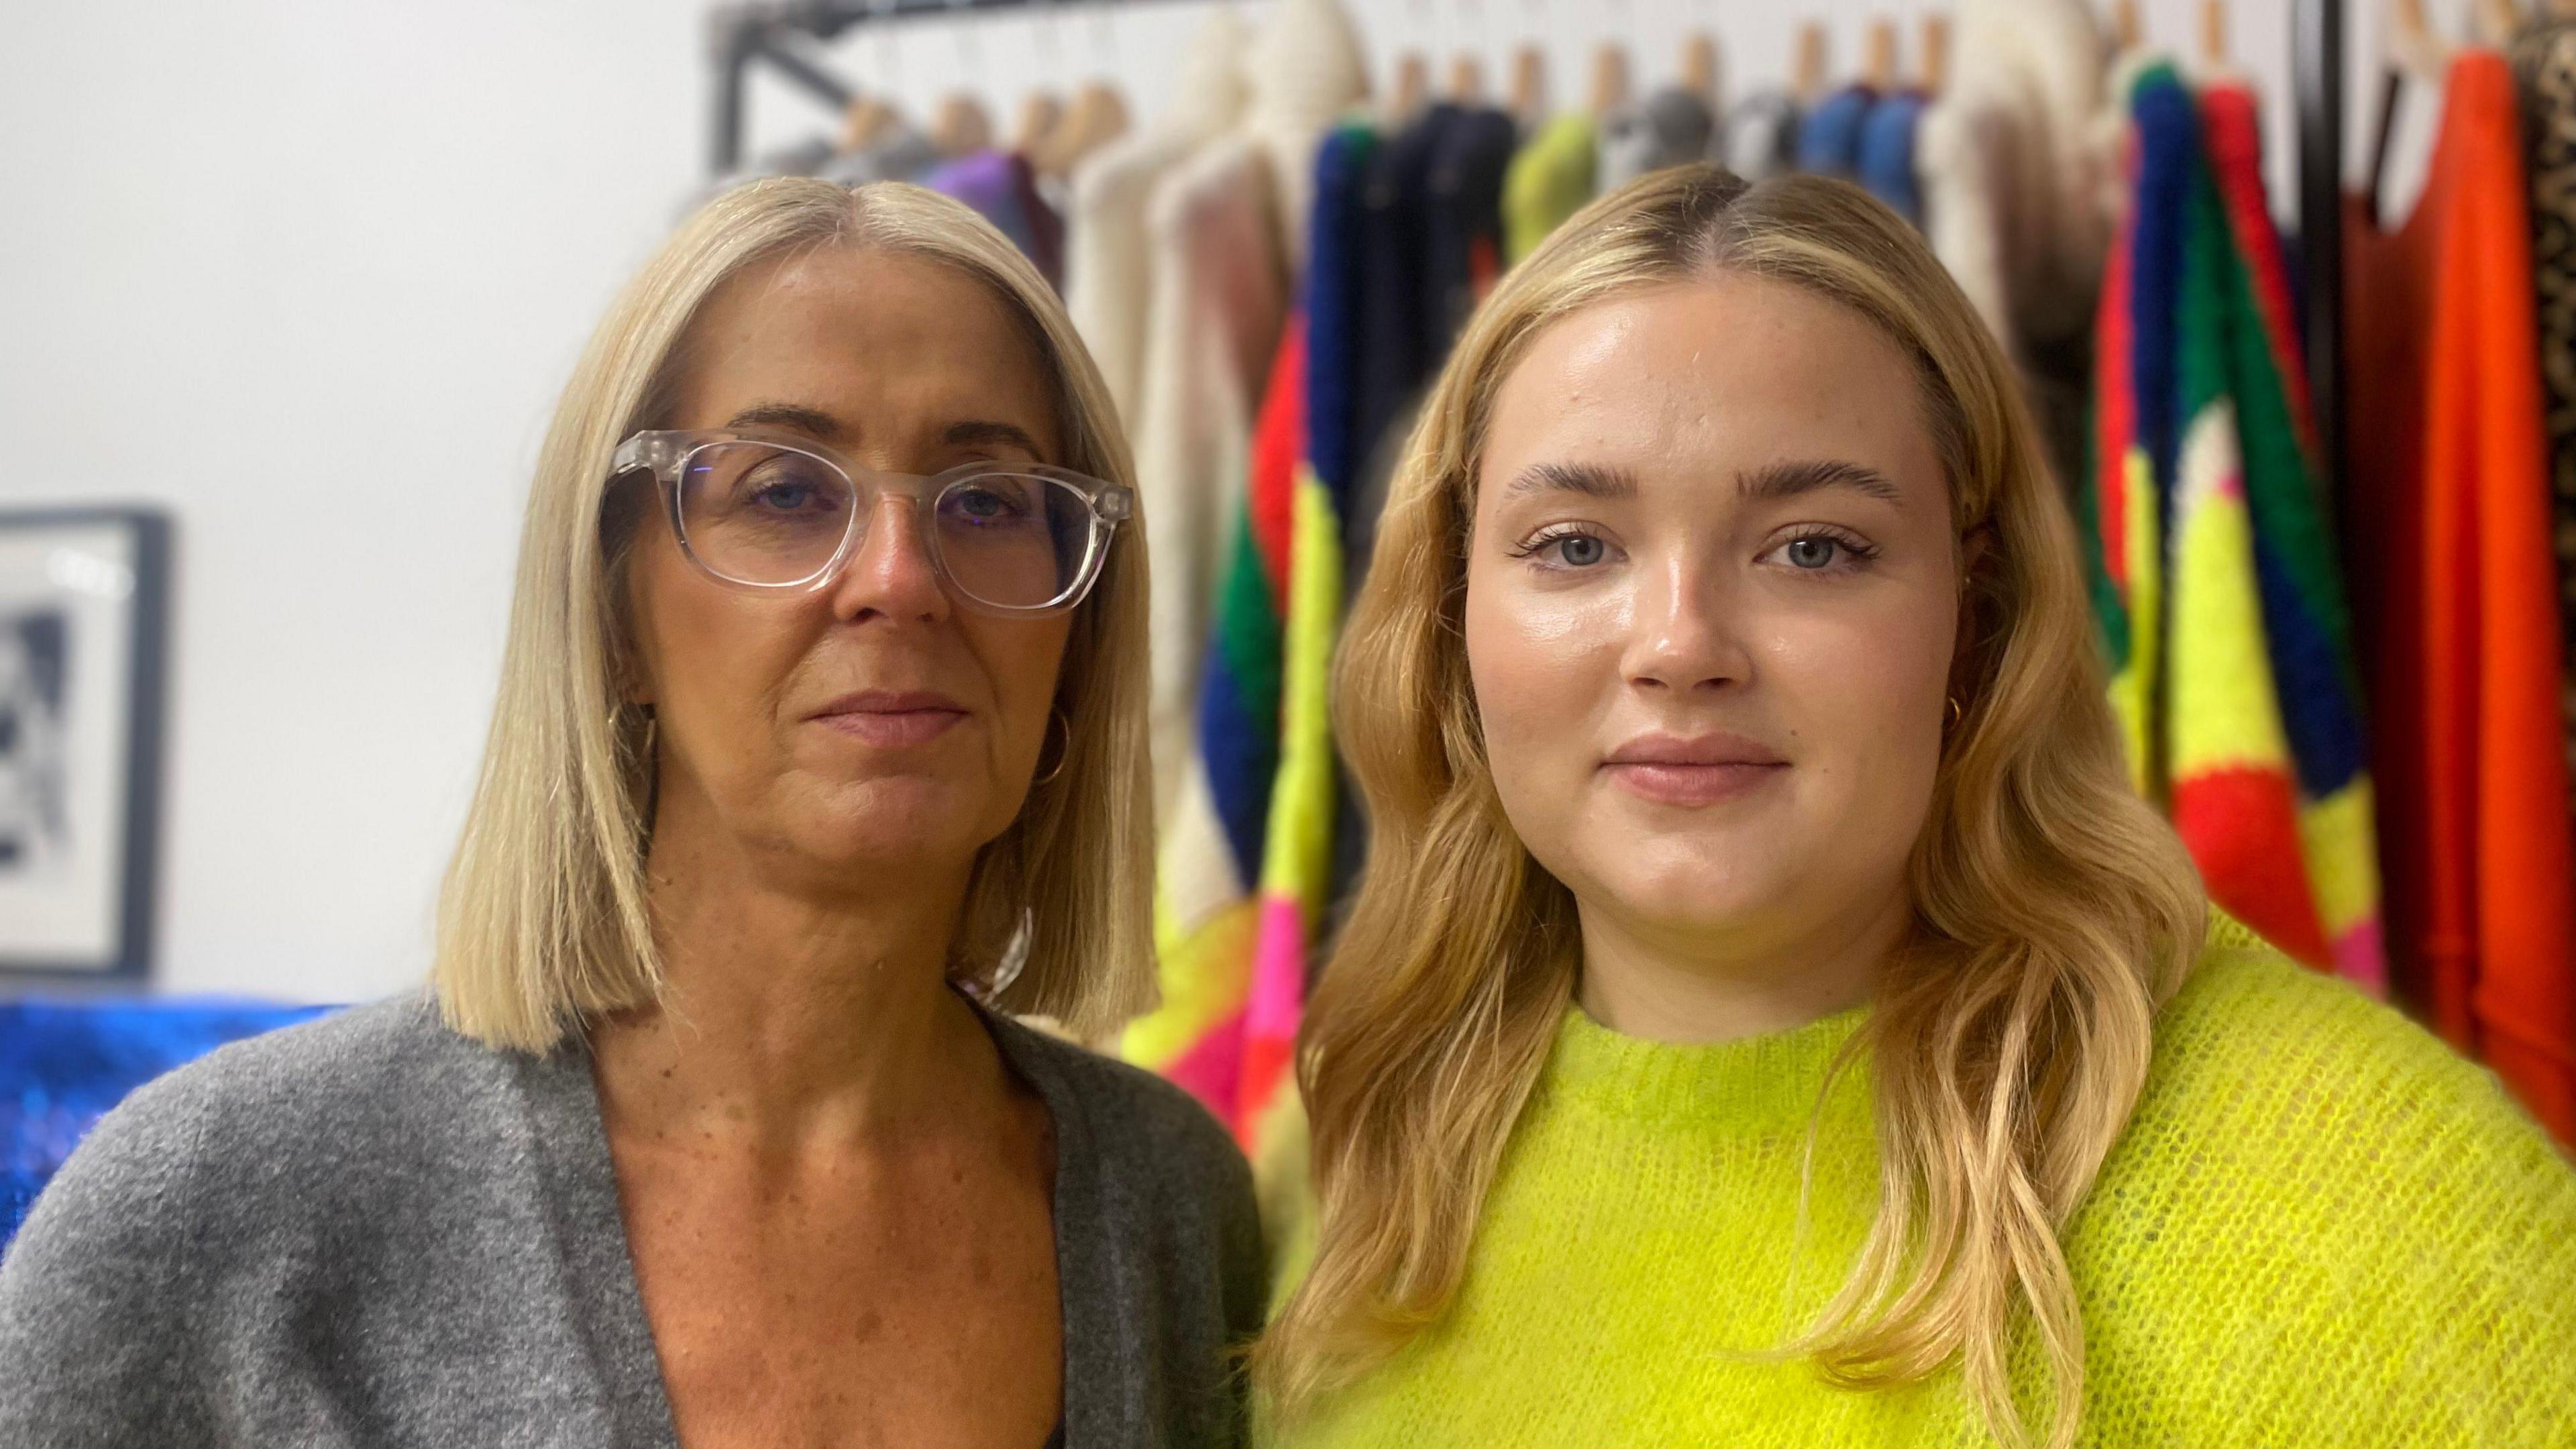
(891, 720)
(1667, 783)
(1693, 769)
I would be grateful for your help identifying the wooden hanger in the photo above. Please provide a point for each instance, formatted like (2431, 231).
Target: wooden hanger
(2213, 33)
(1096, 117)
(1809, 76)
(1412, 85)
(1529, 83)
(963, 126)
(1609, 80)
(1878, 71)
(1041, 114)
(1467, 80)
(2498, 22)
(868, 121)
(2124, 24)
(1700, 62)
(2412, 45)
(1935, 59)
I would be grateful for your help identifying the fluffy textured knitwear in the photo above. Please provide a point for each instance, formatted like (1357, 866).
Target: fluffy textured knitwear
(371, 1231)
(2320, 1228)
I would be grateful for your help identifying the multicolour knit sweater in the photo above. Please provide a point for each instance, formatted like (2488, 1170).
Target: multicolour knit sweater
(2221, 604)
(1239, 901)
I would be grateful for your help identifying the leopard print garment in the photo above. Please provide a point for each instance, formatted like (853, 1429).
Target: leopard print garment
(2544, 61)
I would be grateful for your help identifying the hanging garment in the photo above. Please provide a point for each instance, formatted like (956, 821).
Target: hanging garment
(1885, 158)
(1205, 913)
(1463, 237)
(2544, 62)
(2018, 159)
(1242, 875)
(1108, 271)
(2262, 704)
(1829, 133)
(1671, 127)
(2136, 454)
(1458, 258)
(1549, 180)
(1296, 863)
(1000, 185)
(1398, 307)
(2448, 508)
(1760, 137)
(1307, 68)
(1219, 293)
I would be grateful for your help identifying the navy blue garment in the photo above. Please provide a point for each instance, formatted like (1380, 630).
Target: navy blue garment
(1463, 244)
(1332, 308)
(1397, 322)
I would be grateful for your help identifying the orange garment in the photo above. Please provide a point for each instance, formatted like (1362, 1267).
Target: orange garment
(2447, 514)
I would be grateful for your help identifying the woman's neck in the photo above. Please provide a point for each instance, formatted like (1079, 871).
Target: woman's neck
(786, 1013)
(1663, 984)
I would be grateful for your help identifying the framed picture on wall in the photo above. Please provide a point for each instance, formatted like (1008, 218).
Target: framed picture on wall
(84, 602)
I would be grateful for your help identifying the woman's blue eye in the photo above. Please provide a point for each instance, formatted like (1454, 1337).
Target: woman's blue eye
(1577, 550)
(1813, 552)
(786, 497)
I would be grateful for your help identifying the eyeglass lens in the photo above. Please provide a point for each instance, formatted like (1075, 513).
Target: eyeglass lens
(760, 514)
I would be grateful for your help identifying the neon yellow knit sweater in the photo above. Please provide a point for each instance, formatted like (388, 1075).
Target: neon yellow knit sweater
(2320, 1229)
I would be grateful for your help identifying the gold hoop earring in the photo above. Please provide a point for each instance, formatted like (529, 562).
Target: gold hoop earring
(1056, 716)
(1956, 712)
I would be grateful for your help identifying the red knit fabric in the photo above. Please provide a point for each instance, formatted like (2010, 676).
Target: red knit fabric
(2449, 517)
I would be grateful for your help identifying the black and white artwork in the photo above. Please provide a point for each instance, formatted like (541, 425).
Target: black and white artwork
(82, 601)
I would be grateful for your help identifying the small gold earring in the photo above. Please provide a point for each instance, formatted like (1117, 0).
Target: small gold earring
(1956, 713)
(1057, 716)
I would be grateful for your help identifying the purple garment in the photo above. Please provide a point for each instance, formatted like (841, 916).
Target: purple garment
(1000, 185)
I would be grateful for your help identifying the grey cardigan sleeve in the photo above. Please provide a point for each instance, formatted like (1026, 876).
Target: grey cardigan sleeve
(101, 1290)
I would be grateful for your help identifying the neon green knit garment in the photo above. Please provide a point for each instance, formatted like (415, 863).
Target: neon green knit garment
(1549, 179)
(2320, 1229)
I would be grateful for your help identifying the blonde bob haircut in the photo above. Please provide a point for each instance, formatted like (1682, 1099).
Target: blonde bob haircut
(543, 923)
(2054, 911)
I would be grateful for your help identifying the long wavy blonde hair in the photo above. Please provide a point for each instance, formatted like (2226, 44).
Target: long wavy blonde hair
(543, 923)
(2054, 911)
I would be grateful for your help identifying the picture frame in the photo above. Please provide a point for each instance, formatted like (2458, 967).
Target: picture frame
(84, 620)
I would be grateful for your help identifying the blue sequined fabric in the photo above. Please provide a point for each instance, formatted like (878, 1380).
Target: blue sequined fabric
(63, 1064)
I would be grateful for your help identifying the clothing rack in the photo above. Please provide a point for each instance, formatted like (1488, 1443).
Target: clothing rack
(788, 36)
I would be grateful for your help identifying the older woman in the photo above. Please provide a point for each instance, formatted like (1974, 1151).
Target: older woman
(1769, 1017)
(819, 748)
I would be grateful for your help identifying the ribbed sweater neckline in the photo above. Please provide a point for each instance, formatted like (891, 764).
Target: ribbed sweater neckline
(1763, 1083)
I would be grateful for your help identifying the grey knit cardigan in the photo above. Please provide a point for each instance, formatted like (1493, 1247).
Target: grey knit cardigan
(370, 1231)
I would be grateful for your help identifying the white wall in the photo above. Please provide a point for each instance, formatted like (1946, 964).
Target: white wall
(310, 273)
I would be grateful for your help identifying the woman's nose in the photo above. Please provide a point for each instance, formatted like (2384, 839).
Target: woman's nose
(1686, 631)
(891, 574)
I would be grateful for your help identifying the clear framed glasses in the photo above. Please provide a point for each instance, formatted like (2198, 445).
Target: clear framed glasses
(772, 515)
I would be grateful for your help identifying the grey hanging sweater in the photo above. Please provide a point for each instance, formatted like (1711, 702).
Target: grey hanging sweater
(370, 1231)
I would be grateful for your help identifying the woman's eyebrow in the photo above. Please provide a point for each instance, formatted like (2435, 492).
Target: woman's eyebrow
(1592, 480)
(793, 417)
(990, 433)
(1787, 480)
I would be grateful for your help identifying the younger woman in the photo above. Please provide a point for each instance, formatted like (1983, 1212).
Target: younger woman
(1769, 1017)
